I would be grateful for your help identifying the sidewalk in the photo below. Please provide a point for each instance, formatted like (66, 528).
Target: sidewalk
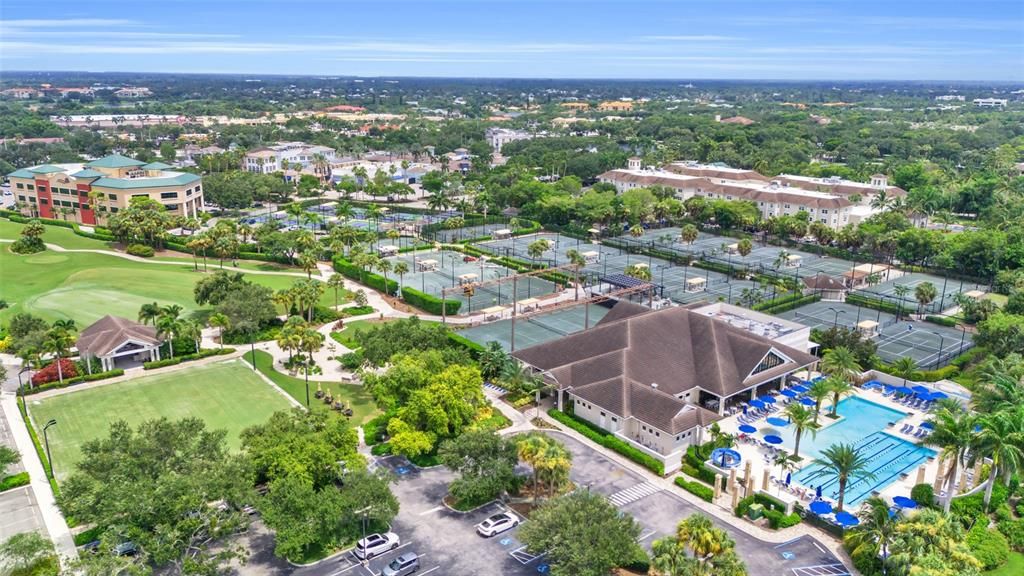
(520, 421)
(719, 513)
(52, 517)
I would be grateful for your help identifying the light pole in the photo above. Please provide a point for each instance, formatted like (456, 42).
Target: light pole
(938, 358)
(365, 511)
(835, 322)
(21, 387)
(46, 440)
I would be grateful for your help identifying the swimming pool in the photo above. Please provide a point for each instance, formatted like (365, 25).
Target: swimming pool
(863, 425)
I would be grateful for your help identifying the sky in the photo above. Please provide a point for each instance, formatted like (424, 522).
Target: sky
(673, 39)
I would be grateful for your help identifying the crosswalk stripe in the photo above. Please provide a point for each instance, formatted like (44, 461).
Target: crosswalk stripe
(633, 493)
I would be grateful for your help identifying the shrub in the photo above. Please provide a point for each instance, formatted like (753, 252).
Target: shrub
(49, 372)
(973, 506)
(14, 481)
(699, 490)
(356, 311)
(26, 245)
(206, 353)
(779, 520)
(941, 320)
(376, 430)
(474, 347)
(76, 380)
(383, 449)
(429, 303)
(352, 360)
(140, 250)
(609, 441)
(701, 473)
(988, 546)
(923, 494)
(1013, 530)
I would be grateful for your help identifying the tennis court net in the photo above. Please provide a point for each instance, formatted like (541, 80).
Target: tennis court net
(547, 326)
(815, 319)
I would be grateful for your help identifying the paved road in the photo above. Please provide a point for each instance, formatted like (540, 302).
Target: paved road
(448, 544)
(19, 511)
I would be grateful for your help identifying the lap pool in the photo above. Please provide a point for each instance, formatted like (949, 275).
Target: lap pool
(863, 425)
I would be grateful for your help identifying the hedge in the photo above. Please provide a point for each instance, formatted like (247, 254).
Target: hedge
(878, 303)
(76, 380)
(186, 358)
(14, 481)
(701, 473)
(430, 303)
(990, 547)
(697, 489)
(608, 440)
(42, 455)
(474, 348)
(356, 311)
(941, 320)
(786, 304)
(375, 281)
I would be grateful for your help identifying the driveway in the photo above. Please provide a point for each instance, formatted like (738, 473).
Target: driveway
(19, 511)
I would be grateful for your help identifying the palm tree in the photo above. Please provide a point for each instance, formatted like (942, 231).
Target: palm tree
(308, 263)
(577, 261)
(781, 260)
(744, 247)
(880, 201)
(555, 461)
(148, 313)
(529, 447)
(876, 530)
(708, 544)
(802, 421)
(689, 234)
(636, 231)
(383, 265)
(57, 341)
(839, 389)
(222, 322)
(310, 341)
(925, 294)
(1000, 439)
(818, 392)
(344, 211)
(401, 268)
(904, 367)
(844, 462)
(639, 272)
(167, 325)
(953, 434)
(536, 249)
(842, 363)
(336, 282)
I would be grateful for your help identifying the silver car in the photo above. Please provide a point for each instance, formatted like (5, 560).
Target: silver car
(497, 524)
(403, 565)
(375, 545)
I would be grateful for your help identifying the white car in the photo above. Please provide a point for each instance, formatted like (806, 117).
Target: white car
(497, 524)
(375, 545)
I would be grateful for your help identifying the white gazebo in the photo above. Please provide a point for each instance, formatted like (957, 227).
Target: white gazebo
(733, 248)
(493, 313)
(793, 260)
(427, 265)
(867, 328)
(528, 304)
(591, 256)
(467, 279)
(387, 250)
(696, 284)
(502, 234)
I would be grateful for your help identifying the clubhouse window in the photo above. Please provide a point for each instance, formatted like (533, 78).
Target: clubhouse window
(44, 201)
(21, 197)
(112, 196)
(114, 208)
(42, 188)
(30, 187)
(20, 186)
(171, 206)
(32, 199)
(86, 207)
(140, 195)
(168, 195)
(188, 192)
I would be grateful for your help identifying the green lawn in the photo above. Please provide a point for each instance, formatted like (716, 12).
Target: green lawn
(1014, 567)
(226, 395)
(86, 286)
(63, 237)
(353, 395)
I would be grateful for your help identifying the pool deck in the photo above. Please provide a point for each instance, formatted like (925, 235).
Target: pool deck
(761, 468)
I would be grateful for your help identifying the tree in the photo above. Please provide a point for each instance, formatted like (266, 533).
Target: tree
(818, 392)
(873, 536)
(689, 234)
(485, 462)
(221, 322)
(537, 248)
(953, 434)
(583, 535)
(925, 294)
(167, 324)
(802, 421)
(744, 247)
(841, 363)
(1000, 438)
(148, 313)
(930, 543)
(8, 456)
(383, 266)
(154, 486)
(21, 553)
(58, 341)
(905, 367)
(863, 349)
(578, 262)
(336, 282)
(493, 360)
(782, 259)
(1001, 334)
(401, 268)
(844, 462)
(31, 239)
(698, 548)
(636, 231)
(639, 272)
(839, 389)
(249, 304)
(445, 407)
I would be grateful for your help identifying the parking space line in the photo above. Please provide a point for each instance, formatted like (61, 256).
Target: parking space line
(438, 567)
(432, 510)
(646, 536)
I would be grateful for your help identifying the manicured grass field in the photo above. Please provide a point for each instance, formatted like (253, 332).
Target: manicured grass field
(63, 237)
(353, 395)
(226, 395)
(1013, 567)
(85, 286)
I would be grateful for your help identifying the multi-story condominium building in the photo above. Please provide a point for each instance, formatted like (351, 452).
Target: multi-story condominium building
(21, 93)
(297, 155)
(133, 92)
(47, 189)
(950, 98)
(991, 102)
(498, 137)
(615, 106)
(831, 201)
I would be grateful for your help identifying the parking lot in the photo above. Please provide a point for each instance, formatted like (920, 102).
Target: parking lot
(19, 511)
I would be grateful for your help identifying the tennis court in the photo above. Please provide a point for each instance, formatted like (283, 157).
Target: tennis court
(458, 234)
(430, 271)
(928, 344)
(945, 288)
(537, 329)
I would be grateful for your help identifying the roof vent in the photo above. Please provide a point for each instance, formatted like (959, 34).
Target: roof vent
(654, 385)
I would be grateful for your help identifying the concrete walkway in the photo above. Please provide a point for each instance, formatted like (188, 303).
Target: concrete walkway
(56, 527)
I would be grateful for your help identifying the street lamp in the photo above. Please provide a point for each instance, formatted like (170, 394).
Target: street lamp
(942, 339)
(21, 387)
(835, 322)
(46, 440)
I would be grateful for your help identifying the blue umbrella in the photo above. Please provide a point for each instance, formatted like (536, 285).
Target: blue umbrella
(807, 401)
(821, 507)
(789, 478)
(766, 399)
(747, 429)
(799, 388)
(773, 439)
(921, 389)
(927, 425)
(757, 403)
(903, 390)
(777, 421)
(789, 394)
(844, 518)
(817, 379)
(939, 395)
(904, 502)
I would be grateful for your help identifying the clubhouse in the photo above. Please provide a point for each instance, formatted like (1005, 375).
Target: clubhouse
(658, 378)
(112, 339)
(55, 190)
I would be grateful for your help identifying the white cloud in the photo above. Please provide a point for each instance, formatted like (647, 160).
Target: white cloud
(694, 38)
(66, 22)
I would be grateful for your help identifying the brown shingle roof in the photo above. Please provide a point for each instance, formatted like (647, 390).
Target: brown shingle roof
(676, 348)
(109, 332)
(823, 282)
